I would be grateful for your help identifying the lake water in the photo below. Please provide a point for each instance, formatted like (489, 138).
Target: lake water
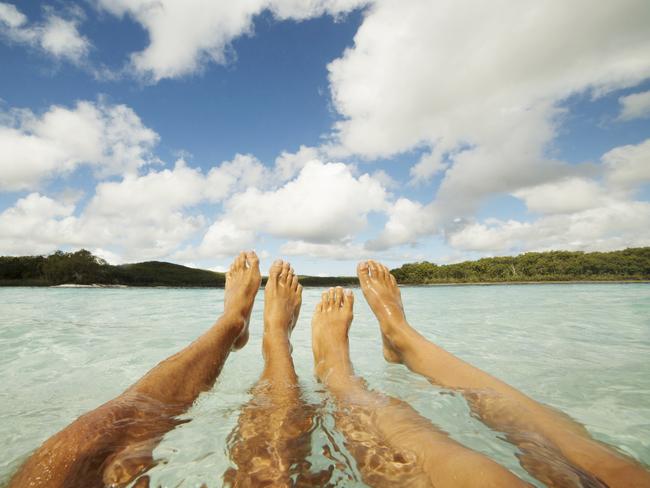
(584, 349)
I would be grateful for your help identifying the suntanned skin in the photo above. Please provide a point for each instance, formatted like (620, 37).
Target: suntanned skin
(112, 444)
(555, 449)
(392, 443)
(272, 439)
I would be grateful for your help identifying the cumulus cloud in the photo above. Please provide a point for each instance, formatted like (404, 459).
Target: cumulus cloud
(635, 106)
(338, 250)
(479, 87)
(619, 224)
(569, 195)
(137, 217)
(628, 166)
(184, 36)
(319, 213)
(36, 224)
(110, 138)
(56, 35)
(324, 203)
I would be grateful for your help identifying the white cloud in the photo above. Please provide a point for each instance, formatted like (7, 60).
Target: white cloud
(628, 166)
(338, 250)
(223, 238)
(407, 220)
(479, 86)
(184, 36)
(318, 212)
(35, 224)
(244, 171)
(55, 35)
(564, 196)
(618, 225)
(111, 138)
(325, 202)
(288, 165)
(635, 106)
(11, 16)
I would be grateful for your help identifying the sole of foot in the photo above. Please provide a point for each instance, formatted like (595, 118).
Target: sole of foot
(330, 326)
(282, 301)
(380, 290)
(242, 284)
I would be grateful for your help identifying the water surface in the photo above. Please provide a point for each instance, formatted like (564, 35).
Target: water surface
(584, 349)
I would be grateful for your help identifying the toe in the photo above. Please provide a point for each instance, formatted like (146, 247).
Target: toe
(284, 273)
(275, 269)
(385, 272)
(330, 298)
(294, 283)
(338, 297)
(374, 269)
(252, 260)
(348, 300)
(240, 261)
(324, 300)
(393, 280)
(362, 271)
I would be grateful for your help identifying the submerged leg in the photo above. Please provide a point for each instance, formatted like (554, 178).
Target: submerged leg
(112, 444)
(392, 443)
(555, 449)
(272, 439)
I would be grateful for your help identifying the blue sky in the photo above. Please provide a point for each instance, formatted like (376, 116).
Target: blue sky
(323, 131)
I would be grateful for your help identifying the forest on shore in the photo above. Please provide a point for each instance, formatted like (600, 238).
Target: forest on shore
(625, 265)
(83, 268)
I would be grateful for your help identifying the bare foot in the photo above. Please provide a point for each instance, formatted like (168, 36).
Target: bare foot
(242, 283)
(329, 334)
(380, 289)
(282, 300)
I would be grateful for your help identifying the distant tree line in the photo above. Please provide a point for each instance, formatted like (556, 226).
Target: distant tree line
(83, 268)
(628, 264)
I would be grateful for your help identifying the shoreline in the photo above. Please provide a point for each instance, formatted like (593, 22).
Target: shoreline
(350, 285)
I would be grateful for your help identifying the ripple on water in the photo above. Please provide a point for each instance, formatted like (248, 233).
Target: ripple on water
(581, 348)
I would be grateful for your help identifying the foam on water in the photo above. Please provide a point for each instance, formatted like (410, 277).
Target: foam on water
(584, 349)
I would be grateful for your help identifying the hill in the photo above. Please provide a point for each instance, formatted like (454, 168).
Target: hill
(628, 264)
(82, 268)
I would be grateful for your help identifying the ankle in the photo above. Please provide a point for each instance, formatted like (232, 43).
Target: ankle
(399, 333)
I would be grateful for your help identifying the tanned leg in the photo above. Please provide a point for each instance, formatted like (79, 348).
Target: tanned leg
(112, 444)
(392, 443)
(272, 440)
(555, 449)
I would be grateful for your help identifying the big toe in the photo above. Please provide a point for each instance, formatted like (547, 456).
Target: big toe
(348, 300)
(252, 260)
(275, 269)
(363, 272)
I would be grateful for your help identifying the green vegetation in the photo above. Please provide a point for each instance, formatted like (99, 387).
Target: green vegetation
(82, 268)
(628, 264)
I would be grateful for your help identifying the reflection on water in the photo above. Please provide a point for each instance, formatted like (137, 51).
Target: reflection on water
(580, 348)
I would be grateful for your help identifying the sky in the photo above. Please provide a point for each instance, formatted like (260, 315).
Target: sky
(323, 132)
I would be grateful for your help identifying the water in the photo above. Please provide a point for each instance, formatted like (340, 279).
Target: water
(584, 349)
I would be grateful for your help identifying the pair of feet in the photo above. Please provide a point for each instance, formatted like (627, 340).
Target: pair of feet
(332, 318)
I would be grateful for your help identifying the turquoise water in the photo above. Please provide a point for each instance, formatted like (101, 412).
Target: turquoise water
(584, 349)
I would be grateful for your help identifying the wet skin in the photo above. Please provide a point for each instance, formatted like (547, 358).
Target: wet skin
(554, 448)
(392, 444)
(112, 445)
(272, 440)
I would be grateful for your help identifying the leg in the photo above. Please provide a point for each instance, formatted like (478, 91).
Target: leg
(272, 440)
(392, 443)
(112, 444)
(554, 447)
